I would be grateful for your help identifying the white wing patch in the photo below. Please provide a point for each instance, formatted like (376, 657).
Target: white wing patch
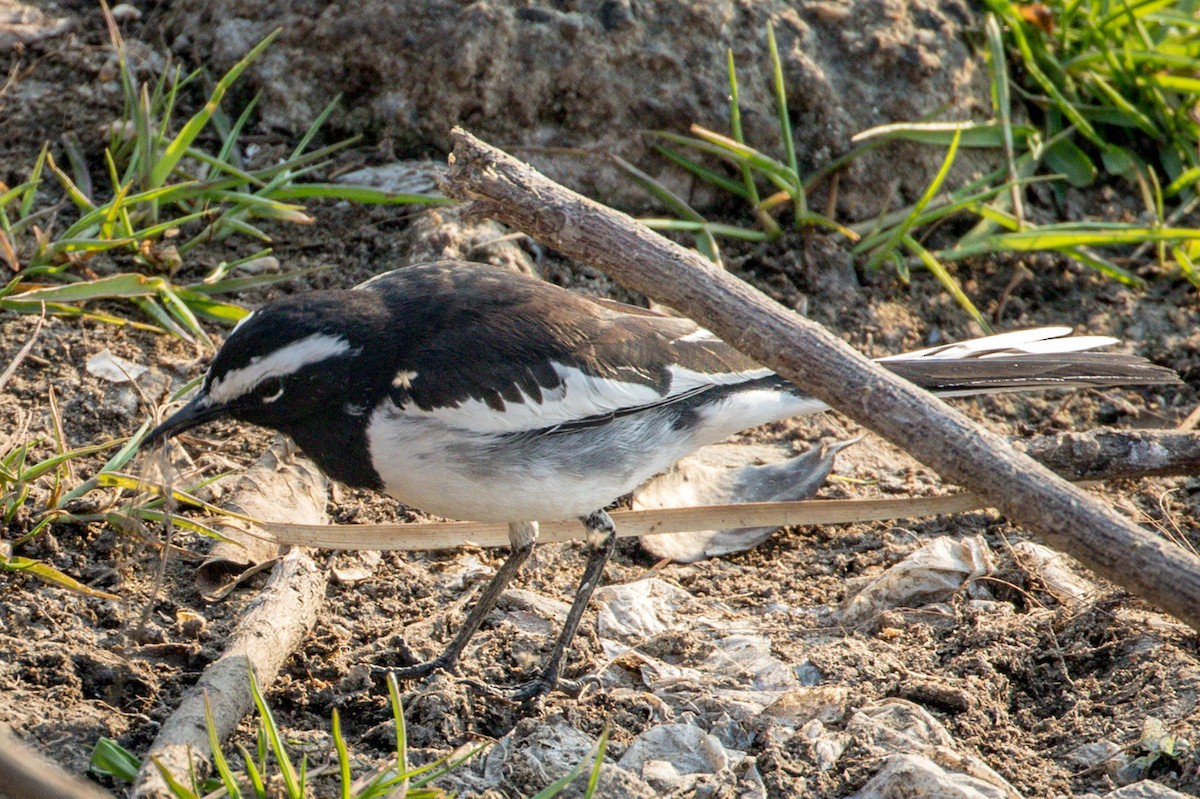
(699, 334)
(581, 396)
(284, 361)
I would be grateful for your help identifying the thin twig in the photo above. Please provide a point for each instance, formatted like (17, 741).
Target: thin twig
(23, 352)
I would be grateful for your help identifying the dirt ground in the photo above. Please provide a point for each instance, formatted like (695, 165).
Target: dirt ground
(1050, 695)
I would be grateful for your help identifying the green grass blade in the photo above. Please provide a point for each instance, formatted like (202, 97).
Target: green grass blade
(443, 765)
(114, 520)
(117, 461)
(1057, 237)
(35, 178)
(145, 150)
(1002, 105)
(177, 788)
(48, 574)
(1188, 179)
(888, 247)
(1187, 266)
(54, 461)
(947, 280)
(287, 770)
(131, 483)
(187, 135)
(982, 135)
(79, 170)
(60, 309)
(219, 761)
(401, 730)
(777, 172)
(74, 192)
(715, 228)
(343, 756)
(735, 126)
(1067, 158)
(110, 759)
(707, 175)
(593, 783)
(219, 165)
(253, 773)
(183, 314)
(228, 154)
(215, 311)
(123, 286)
(1136, 118)
(657, 190)
(360, 195)
(155, 231)
(785, 125)
(560, 784)
(1105, 267)
(317, 124)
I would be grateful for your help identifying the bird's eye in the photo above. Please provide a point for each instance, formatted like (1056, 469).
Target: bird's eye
(269, 390)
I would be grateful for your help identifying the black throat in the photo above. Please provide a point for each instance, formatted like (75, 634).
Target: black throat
(337, 443)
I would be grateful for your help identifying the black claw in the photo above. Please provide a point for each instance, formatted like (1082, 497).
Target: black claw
(519, 694)
(415, 672)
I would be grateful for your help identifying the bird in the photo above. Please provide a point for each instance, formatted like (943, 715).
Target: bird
(477, 393)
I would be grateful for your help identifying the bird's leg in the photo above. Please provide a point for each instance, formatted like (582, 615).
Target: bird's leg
(601, 542)
(521, 538)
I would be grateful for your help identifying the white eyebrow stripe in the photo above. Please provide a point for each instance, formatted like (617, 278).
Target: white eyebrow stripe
(287, 360)
(241, 322)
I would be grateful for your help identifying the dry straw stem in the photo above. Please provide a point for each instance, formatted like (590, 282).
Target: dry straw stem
(1091, 456)
(1063, 515)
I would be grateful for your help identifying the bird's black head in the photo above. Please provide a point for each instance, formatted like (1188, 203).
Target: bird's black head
(300, 365)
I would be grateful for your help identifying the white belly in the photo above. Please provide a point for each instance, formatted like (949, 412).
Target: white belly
(512, 477)
(485, 477)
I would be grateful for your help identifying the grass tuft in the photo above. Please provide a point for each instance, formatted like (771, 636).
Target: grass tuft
(259, 780)
(1110, 94)
(167, 193)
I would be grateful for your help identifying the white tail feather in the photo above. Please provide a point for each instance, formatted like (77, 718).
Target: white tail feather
(1038, 341)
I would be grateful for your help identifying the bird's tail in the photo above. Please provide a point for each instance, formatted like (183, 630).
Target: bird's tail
(1025, 360)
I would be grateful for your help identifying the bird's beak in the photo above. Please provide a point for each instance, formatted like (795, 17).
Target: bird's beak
(200, 410)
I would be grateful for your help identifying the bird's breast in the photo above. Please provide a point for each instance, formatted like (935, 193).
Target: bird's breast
(543, 476)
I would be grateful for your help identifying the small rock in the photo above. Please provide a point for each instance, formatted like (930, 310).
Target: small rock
(690, 749)
(662, 775)
(1146, 789)
(114, 369)
(904, 776)
(266, 265)
(1105, 754)
(124, 12)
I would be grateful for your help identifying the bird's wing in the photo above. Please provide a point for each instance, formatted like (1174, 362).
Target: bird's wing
(502, 354)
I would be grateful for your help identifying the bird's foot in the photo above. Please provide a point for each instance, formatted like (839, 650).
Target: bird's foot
(447, 661)
(527, 692)
(519, 694)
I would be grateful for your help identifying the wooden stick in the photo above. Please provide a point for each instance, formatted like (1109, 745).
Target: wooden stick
(1117, 454)
(271, 628)
(1029, 494)
(26, 774)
